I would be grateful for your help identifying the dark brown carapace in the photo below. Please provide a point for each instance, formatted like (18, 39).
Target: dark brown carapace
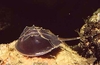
(36, 41)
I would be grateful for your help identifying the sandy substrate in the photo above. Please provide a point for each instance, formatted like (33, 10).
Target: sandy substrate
(60, 56)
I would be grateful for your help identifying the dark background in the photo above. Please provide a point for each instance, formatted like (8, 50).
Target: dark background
(62, 17)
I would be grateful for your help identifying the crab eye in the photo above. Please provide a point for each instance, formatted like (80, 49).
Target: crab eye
(35, 42)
